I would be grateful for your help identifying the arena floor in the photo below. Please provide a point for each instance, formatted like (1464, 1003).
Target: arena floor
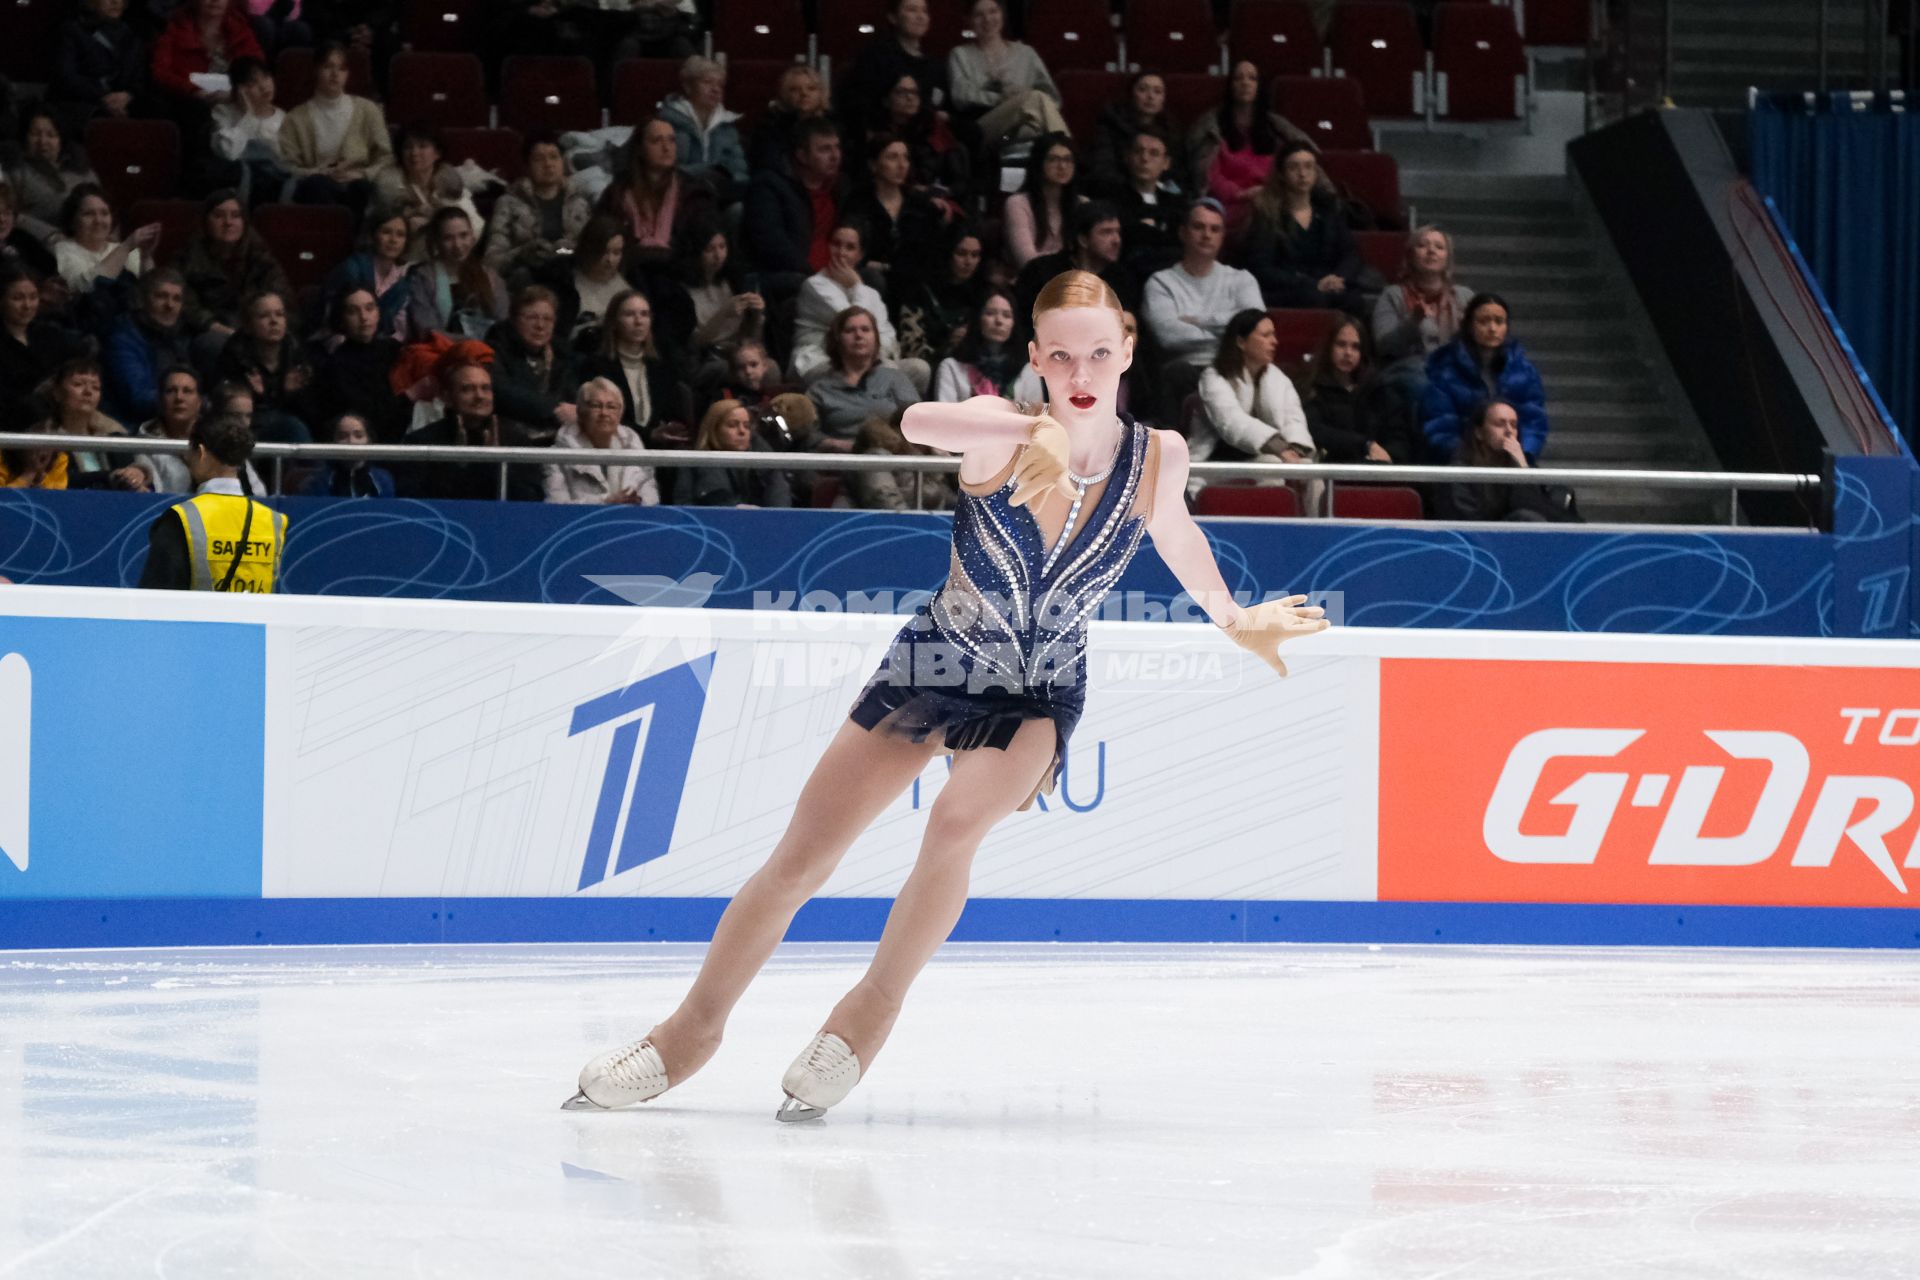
(1045, 1111)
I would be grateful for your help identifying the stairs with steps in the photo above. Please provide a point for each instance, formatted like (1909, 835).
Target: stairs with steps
(1723, 47)
(1523, 238)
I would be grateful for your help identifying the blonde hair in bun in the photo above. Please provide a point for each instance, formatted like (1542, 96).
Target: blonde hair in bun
(1076, 289)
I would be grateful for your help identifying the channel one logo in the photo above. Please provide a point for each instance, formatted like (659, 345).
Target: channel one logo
(16, 741)
(1648, 783)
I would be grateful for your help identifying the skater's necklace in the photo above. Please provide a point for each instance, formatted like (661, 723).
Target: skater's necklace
(1080, 484)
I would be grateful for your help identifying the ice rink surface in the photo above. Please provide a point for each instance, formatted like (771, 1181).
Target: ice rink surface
(1044, 1111)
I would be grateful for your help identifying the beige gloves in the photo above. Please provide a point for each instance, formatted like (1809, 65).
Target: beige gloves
(1262, 627)
(1043, 464)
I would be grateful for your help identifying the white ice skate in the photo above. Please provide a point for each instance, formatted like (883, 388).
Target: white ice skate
(619, 1077)
(821, 1076)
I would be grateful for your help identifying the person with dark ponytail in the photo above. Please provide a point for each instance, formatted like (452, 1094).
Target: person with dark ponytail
(220, 539)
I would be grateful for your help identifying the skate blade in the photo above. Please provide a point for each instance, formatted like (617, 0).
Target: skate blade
(794, 1111)
(581, 1102)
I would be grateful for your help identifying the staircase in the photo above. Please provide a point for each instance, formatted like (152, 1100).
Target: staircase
(1723, 47)
(1522, 238)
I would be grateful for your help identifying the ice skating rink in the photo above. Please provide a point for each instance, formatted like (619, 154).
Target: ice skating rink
(1043, 1111)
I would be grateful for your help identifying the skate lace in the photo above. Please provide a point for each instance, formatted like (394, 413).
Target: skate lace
(826, 1056)
(631, 1069)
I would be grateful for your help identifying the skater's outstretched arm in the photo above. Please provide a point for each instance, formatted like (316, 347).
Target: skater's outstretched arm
(986, 429)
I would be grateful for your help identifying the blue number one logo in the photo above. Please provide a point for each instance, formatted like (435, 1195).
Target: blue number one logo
(668, 704)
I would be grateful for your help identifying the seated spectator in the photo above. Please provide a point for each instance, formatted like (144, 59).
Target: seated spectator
(178, 407)
(532, 378)
(1483, 361)
(595, 280)
(859, 91)
(421, 185)
(1492, 439)
(100, 68)
(349, 478)
(538, 218)
(990, 360)
(48, 172)
(30, 350)
(335, 143)
(750, 376)
(1252, 411)
(225, 262)
(93, 247)
(1036, 216)
(145, 340)
(19, 247)
(801, 96)
(278, 25)
(1151, 207)
(470, 423)
(379, 267)
(1095, 246)
(856, 386)
(706, 134)
(1231, 149)
(897, 490)
(266, 358)
(33, 469)
(728, 428)
(897, 221)
(1001, 85)
(652, 200)
(1299, 246)
(1349, 418)
(597, 483)
(246, 132)
(827, 294)
(453, 292)
(74, 394)
(202, 37)
(936, 161)
(791, 210)
(354, 377)
(713, 300)
(656, 401)
(1418, 314)
(1143, 110)
(1189, 305)
(934, 303)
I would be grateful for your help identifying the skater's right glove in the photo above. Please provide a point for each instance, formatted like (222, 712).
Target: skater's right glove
(1260, 629)
(1043, 463)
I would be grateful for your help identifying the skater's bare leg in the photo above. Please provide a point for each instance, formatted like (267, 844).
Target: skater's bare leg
(856, 779)
(986, 786)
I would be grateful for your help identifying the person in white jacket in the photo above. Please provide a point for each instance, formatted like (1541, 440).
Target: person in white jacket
(1252, 409)
(592, 483)
(831, 290)
(247, 130)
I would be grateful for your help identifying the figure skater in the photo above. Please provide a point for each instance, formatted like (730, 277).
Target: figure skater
(992, 669)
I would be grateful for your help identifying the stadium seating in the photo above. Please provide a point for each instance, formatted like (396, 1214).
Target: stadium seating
(1377, 42)
(1377, 502)
(309, 239)
(1171, 36)
(178, 219)
(497, 150)
(1073, 35)
(758, 30)
(1557, 22)
(751, 86)
(443, 26)
(555, 93)
(639, 84)
(293, 76)
(1299, 333)
(1372, 178)
(843, 27)
(1278, 36)
(1479, 62)
(1085, 94)
(1384, 251)
(1193, 94)
(1230, 499)
(1332, 112)
(32, 37)
(135, 159)
(445, 90)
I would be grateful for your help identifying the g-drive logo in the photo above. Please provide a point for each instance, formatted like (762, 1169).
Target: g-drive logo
(16, 737)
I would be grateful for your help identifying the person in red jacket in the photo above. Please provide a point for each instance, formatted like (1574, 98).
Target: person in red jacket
(201, 37)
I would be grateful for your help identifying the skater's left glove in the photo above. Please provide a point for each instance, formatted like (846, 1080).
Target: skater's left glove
(1260, 629)
(1043, 463)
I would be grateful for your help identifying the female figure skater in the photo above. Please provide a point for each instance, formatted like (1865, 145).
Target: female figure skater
(993, 669)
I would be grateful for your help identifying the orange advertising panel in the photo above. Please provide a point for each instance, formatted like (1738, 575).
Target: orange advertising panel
(1644, 783)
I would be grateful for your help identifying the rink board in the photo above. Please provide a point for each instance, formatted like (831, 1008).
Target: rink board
(178, 770)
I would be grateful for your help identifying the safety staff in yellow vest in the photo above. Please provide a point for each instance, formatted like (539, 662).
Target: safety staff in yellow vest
(220, 539)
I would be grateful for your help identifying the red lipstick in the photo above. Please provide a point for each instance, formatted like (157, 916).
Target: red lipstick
(1083, 402)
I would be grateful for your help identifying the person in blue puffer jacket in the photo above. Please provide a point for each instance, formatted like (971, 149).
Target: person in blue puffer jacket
(1481, 363)
(705, 134)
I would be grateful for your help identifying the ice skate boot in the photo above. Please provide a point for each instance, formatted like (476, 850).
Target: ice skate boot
(821, 1076)
(618, 1077)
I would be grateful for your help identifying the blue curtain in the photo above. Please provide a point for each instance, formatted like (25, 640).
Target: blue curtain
(1848, 185)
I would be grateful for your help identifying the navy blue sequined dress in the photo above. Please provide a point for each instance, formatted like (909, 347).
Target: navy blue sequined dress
(1004, 639)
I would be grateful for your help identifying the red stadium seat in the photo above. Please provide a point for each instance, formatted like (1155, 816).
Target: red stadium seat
(1192, 95)
(751, 86)
(826, 488)
(443, 26)
(1384, 251)
(1480, 65)
(32, 38)
(1372, 178)
(1376, 502)
(952, 25)
(1074, 35)
(538, 92)
(444, 90)
(639, 84)
(755, 29)
(177, 218)
(1557, 22)
(1377, 42)
(1171, 36)
(1273, 500)
(494, 149)
(309, 239)
(1278, 36)
(1085, 94)
(846, 26)
(293, 76)
(1300, 331)
(1331, 112)
(136, 159)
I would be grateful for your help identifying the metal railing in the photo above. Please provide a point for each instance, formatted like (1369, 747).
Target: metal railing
(277, 456)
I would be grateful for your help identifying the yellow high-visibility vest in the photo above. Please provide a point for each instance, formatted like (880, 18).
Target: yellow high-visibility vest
(213, 523)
